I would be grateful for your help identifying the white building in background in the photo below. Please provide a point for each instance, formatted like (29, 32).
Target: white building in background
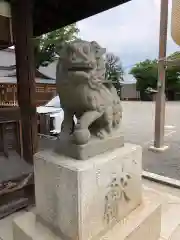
(128, 89)
(129, 92)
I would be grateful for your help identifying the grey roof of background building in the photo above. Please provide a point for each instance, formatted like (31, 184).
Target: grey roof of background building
(8, 69)
(50, 70)
(7, 72)
(13, 80)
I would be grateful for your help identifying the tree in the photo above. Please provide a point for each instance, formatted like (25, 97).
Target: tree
(48, 44)
(173, 77)
(146, 74)
(114, 71)
(174, 56)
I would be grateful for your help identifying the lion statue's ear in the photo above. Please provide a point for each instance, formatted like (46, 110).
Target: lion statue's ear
(95, 43)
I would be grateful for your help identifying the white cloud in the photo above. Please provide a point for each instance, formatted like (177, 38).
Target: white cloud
(130, 30)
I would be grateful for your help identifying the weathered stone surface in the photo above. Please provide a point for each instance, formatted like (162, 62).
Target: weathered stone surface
(91, 149)
(84, 92)
(83, 199)
(142, 223)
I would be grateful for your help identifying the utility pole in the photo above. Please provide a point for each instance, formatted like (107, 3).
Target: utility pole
(160, 96)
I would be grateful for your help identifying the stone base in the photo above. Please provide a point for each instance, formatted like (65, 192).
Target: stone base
(82, 199)
(92, 148)
(142, 223)
(158, 150)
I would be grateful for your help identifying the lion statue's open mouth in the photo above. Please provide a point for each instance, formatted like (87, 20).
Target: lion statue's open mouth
(79, 67)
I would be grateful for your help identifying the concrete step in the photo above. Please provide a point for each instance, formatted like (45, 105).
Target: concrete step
(176, 234)
(145, 220)
(170, 221)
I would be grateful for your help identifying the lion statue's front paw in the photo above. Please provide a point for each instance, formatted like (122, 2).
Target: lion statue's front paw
(81, 136)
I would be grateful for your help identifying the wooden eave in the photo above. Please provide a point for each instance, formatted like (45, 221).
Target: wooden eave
(49, 15)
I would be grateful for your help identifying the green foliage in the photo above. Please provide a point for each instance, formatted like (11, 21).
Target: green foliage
(114, 71)
(146, 74)
(173, 73)
(48, 44)
(174, 56)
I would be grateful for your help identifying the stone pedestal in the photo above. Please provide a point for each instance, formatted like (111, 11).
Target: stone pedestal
(88, 199)
(96, 146)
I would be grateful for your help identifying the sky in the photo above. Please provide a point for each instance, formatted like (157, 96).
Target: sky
(131, 31)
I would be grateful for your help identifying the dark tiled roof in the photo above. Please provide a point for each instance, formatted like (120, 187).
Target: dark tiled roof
(11, 67)
(10, 71)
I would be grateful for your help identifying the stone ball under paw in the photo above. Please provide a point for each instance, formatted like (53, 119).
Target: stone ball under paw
(81, 136)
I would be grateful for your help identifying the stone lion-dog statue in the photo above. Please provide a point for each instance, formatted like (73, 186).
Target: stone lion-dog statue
(85, 93)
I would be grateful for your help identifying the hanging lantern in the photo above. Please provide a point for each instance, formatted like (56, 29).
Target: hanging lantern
(5, 24)
(5, 9)
(175, 21)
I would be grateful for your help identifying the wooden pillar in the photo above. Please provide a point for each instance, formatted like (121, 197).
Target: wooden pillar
(23, 32)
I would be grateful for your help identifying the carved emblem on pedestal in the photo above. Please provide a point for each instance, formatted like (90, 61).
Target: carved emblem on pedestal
(114, 197)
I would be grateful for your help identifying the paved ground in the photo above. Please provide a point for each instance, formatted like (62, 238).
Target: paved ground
(138, 127)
